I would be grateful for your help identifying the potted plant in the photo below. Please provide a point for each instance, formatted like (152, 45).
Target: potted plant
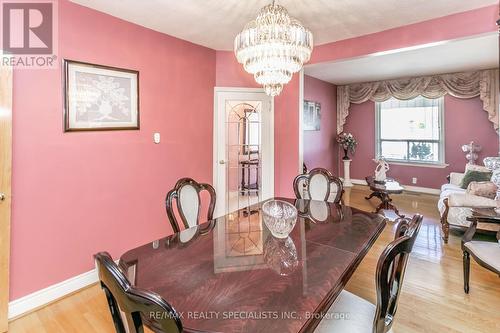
(348, 143)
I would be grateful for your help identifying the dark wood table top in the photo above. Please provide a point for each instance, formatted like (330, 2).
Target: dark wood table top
(391, 186)
(485, 214)
(232, 275)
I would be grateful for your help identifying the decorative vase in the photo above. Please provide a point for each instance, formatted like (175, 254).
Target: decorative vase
(346, 157)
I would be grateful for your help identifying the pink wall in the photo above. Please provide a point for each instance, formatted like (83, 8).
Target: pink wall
(286, 138)
(464, 121)
(320, 148)
(78, 193)
(230, 73)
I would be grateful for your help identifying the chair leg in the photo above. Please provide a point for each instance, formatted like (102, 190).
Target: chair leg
(115, 311)
(444, 221)
(446, 231)
(466, 260)
(139, 327)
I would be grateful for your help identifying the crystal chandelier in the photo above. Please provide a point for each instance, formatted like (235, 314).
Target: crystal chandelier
(273, 47)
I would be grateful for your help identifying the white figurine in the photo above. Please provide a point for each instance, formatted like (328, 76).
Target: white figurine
(381, 170)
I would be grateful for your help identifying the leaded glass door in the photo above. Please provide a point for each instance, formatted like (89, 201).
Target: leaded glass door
(244, 150)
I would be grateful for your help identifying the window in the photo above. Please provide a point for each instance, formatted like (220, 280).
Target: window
(410, 131)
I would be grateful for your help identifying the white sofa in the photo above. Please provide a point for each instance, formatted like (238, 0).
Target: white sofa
(455, 205)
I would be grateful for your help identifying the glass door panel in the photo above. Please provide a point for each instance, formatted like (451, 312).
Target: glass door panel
(243, 153)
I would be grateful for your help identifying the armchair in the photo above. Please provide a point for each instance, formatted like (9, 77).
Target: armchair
(486, 254)
(455, 205)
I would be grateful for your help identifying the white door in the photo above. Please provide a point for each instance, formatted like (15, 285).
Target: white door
(243, 148)
(5, 188)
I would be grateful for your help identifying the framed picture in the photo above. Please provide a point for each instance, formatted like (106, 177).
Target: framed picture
(312, 116)
(100, 97)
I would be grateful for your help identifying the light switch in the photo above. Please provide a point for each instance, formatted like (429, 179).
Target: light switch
(156, 137)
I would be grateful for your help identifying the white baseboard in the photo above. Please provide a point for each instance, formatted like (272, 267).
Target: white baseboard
(50, 294)
(418, 189)
(358, 182)
(408, 188)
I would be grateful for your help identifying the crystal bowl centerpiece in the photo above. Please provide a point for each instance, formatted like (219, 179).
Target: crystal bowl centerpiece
(280, 217)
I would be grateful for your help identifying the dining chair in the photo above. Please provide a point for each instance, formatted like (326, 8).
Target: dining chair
(351, 313)
(132, 308)
(317, 184)
(186, 193)
(485, 253)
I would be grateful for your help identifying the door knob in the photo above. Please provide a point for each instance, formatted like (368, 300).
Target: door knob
(222, 162)
(2, 196)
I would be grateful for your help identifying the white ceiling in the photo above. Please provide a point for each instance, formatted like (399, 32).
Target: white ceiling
(480, 52)
(214, 23)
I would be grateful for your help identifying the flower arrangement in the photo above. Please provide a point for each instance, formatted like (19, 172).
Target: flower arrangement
(348, 143)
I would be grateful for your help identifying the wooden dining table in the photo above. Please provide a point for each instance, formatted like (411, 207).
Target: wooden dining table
(232, 275)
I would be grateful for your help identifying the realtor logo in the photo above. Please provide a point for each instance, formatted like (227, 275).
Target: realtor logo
(29, 33)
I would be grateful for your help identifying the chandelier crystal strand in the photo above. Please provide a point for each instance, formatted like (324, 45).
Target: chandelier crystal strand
(273, 47)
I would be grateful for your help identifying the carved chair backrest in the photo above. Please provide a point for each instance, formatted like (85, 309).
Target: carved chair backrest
(316, 185)
(390, 272)
(130, 307)
(186, 194)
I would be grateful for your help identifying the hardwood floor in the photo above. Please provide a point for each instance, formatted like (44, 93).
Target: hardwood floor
(432, 299)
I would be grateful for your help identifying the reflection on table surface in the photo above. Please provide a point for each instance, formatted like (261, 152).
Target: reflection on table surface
(233, 264)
